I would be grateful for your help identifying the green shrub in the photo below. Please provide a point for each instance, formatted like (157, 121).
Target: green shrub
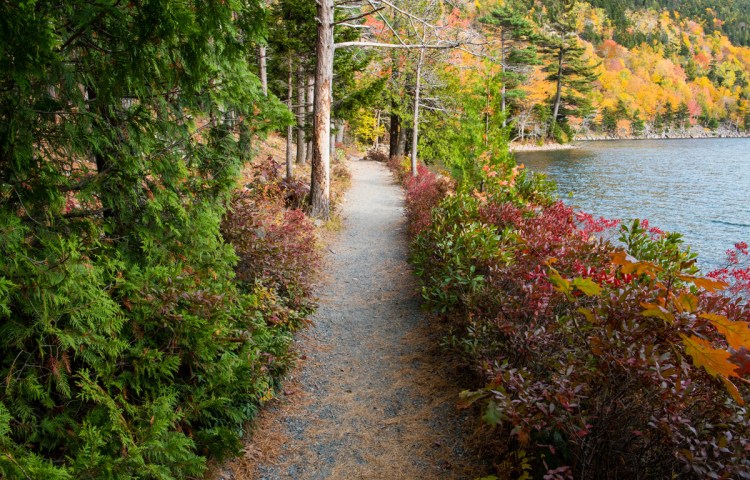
(455, 253)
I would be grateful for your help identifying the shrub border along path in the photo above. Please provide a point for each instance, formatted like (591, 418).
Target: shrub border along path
(598, 362)
(373, 397)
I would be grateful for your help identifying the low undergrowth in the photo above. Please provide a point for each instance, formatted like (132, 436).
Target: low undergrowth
(275, 241)
(598, 359)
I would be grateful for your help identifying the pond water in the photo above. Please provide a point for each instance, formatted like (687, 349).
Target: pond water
(700, 188)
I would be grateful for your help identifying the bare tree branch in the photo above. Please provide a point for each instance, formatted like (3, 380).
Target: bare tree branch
(357, 17)
(437, 46)
(393, 30)
(409, 15)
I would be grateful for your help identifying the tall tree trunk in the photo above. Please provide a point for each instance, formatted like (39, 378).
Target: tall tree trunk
(502, 68)
(289, 129)
(415, 133)
(377, 124)
(487, 113)
(263, 69)
(320, 188)
(395, 125)
(310, 107)
(341, 132)
(558, 95)
(401, 144)
(300, 110)
(393, 132)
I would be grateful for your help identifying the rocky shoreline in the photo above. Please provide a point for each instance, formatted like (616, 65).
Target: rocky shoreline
(533, 147)
(691, 133)
(688, 133)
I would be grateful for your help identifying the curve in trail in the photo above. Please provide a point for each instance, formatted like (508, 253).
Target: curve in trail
(373, 397)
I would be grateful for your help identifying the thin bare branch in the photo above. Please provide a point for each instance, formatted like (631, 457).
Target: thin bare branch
(357, 17)
(409, 15)
(437, 46)
(352, 25)
(393, 30)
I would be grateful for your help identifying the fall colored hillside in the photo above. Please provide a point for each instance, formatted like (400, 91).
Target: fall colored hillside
(658, 73)
(628, 71)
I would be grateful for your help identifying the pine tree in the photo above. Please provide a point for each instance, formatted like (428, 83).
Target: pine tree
(516, 54)
(638, 126)
(567, 68)
(682, 116)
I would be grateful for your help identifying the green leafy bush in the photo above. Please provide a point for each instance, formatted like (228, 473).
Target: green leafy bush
(458, 250)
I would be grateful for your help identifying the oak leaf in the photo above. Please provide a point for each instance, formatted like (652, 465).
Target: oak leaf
(736, 333)
(708, 284)
(716, 361)
(733, 390)
(657, 311)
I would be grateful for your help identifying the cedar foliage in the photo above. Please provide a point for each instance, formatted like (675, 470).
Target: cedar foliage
(126, 350)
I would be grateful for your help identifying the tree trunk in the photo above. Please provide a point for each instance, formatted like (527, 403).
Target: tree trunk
(310, 102)
(341, 132)
(487, 113)
(395, 125)
(320, 189)
(333, 144)
(393, 134)
(263, 69)
(300, 110)
(289, 129)
(415, 133)
(377, 124)
(558, 95)
(502, 68)
(401, 145)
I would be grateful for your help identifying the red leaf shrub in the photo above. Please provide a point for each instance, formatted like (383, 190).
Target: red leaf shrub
(598, 364)
(423, 193)
(267, 183)
(276, 245)
(376, 155)
(736, 272)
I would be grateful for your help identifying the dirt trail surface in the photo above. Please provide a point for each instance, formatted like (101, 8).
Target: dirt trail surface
(373, 397)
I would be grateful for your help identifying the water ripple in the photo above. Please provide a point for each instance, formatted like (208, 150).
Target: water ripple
(696, 187)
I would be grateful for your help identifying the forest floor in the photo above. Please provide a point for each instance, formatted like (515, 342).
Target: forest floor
(373, 396)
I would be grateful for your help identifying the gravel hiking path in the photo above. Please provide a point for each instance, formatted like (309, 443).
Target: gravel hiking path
(373, 396)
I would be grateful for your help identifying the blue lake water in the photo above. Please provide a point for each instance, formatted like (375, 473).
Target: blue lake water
(700, 188)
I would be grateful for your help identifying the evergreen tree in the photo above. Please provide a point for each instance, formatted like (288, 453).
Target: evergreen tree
(609, 121)
(659, 123)
(669, 115)
(516, 54)
(638, 126)
(118, 152)
(567, 67)
(682, 116)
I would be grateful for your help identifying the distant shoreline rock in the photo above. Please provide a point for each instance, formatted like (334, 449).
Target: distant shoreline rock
(686, 134)
(533, 147)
